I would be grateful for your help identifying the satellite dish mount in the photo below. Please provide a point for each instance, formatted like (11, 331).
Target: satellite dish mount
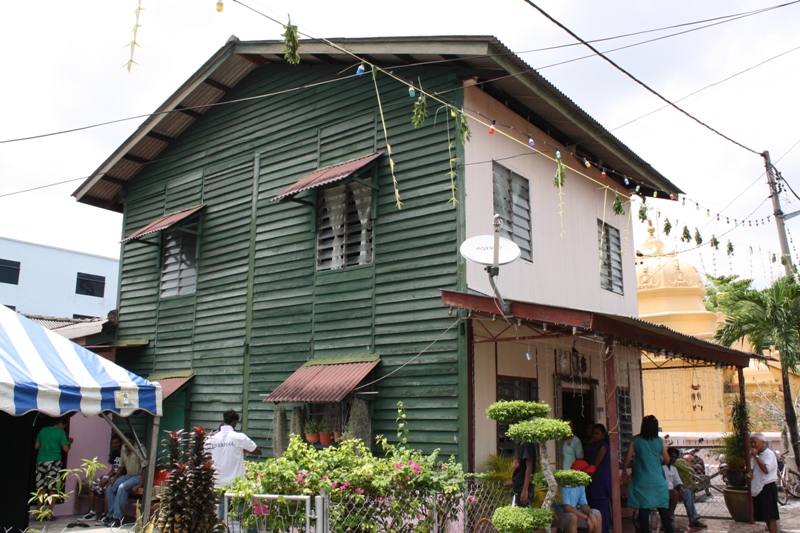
(492, 251)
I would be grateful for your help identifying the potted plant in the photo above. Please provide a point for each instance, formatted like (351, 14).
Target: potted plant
(325, 436)
(735, 474)
(311, 430)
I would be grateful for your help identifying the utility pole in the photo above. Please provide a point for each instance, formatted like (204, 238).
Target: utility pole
(786, 258)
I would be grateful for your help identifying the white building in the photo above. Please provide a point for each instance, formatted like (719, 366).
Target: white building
(43, 280)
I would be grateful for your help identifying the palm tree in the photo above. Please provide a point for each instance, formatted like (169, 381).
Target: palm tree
(770, 317)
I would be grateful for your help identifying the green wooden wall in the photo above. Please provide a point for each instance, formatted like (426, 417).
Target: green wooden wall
(261, 309)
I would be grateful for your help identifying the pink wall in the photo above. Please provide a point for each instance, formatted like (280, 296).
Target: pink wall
(91, 439)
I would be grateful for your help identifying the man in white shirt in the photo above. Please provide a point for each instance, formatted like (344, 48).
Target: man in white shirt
(763, 485)
(227, 448)
(678, 493)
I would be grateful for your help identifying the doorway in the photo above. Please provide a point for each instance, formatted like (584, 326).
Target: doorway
(577, 405)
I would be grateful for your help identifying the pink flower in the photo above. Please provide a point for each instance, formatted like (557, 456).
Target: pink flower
(473, 500)
(346, 483)
(260, 509)
(398, 465)
(324, 477)
(407, 478)
(444, 466)
(359, 490)
(334, 484)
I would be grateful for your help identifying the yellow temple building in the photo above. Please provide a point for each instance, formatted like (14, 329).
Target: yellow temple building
(686, 398)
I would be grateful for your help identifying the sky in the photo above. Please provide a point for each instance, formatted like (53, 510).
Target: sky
(63, 68)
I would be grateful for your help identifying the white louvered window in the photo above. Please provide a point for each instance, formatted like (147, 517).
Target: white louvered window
(344, 226)
(512, 201)
(610, 257)
(179, 262)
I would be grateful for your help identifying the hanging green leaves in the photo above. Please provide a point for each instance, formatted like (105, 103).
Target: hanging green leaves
(558, 180)
(714, 242)
(667, 227)
(420, 112)
(291, 44)
(643, 212)
(686, 236)
(698, 239)
(453, 164)
(774, 258)
(730, 248)
(462, 124)
(617, 207)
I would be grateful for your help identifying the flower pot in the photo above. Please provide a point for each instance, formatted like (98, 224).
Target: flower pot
(326, 439)
(738, 504)
(337, 436)
(735, 478)
(312, 438)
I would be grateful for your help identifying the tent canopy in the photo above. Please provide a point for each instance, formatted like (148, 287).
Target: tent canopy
(42, 371)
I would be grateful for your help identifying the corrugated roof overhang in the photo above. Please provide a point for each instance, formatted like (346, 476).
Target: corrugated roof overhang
(324, 380)
(498, 70)
(162, 223)
(325, 176)
(170, 384)
(561, 320)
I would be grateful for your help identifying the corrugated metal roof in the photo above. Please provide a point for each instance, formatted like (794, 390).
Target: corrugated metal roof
(70, 328)
(162, 223)
(171, 385)
(501, 72)
(317, 382)
(327, 175)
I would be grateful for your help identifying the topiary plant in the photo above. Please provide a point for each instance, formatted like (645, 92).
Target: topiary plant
(538, 430)
(189, 501)
(564, 478)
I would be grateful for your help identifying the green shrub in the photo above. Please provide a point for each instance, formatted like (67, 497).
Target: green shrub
(564, 478)
(539, 430)
(516, 410)
(521, 519)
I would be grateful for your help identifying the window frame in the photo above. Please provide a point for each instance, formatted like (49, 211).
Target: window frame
(83, 280)
(366, 179)
(190, 228)
(610, 252)
(504, 445)
(512, 228)
(8, 265)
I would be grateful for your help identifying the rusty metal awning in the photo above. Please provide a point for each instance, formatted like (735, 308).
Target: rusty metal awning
(162, 223)
(171, 385)
(324, 380)
(327, 175)
(564, 321)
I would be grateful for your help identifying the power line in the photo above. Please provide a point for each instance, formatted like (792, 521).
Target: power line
(634, 78)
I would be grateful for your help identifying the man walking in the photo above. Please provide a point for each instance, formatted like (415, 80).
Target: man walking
(227, 447)
(128, 476)
(763, 486)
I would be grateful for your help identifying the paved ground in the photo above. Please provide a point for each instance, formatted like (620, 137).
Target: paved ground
(790, 523)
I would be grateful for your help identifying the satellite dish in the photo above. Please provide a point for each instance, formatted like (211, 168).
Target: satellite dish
(480, 249)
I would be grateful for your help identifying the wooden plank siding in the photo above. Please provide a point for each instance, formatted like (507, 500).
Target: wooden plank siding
(261, 309)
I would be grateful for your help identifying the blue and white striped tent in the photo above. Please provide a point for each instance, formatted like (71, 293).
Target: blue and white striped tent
(42, 371)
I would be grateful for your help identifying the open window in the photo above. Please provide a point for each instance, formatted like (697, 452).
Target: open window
(178, 237)
(610, 257)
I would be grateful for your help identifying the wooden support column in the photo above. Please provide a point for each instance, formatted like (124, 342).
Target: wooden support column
(613, 433)
(746, 435)
(149, 473)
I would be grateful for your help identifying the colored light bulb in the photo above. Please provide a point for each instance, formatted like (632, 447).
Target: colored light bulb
(220, 6)
(637, 188)
(626, 181)
(683, 202)
(603, 174)
(530, 142)
(717, 217)
(491, 128)
(587, 163)
(411, 92)
(655, 194)
(671, 196)
(360, 70)
(558, 154)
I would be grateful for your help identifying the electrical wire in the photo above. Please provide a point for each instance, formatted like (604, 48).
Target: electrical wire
(638, 81)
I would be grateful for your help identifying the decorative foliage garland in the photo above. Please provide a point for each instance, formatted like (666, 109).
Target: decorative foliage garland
(133, 44)
(291, 50)
(730, 249)
(420, 112)
(398, 203)
(452, 161)
(698, 239)
(686, 236)
(643, 212)
(667, 227)
(558, 181)
(617, 207)
(714, 242)
(464, 132)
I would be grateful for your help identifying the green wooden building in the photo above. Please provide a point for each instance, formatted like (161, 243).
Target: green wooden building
(263, 244)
